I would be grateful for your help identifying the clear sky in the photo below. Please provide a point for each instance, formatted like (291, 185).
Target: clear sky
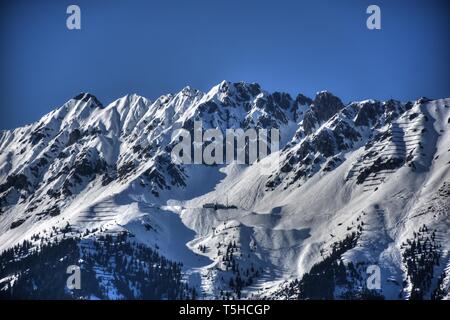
(159, 46)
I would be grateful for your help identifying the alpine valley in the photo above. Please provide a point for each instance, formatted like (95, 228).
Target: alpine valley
(359, 184)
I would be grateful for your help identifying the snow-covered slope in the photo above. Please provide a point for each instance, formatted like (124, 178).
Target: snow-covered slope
(367, 183)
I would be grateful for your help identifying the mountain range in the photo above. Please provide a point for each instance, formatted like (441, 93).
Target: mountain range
(359, 185)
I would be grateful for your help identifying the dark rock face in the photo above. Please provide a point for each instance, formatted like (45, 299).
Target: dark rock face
(177, 176)
(85, 168)
(368, 114)
(242, 92)
(164, 164)
(379, 165)
(53, 194)
(282, 99)
(344, 131)
(254, 88)
(107, 179)
(325, 143)
(332, 164)
(274, 110)
(125, 169)
(17, 223)
(409, 105)
(19, 182)
(164, 174)
(36, 136)
(393, 109)
(74, 136)
(324, 106)
(156, 180)
(304, 150)
(309, 122)
(303, 100)
(66, 188)
(208, 107)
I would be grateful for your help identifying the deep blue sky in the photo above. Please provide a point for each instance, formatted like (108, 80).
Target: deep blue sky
(160, 46)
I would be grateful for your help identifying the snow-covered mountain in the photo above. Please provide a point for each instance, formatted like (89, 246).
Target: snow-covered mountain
(359, 184)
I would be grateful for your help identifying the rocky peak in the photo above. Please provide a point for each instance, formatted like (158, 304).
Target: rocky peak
(85, 97)
(324, 106)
